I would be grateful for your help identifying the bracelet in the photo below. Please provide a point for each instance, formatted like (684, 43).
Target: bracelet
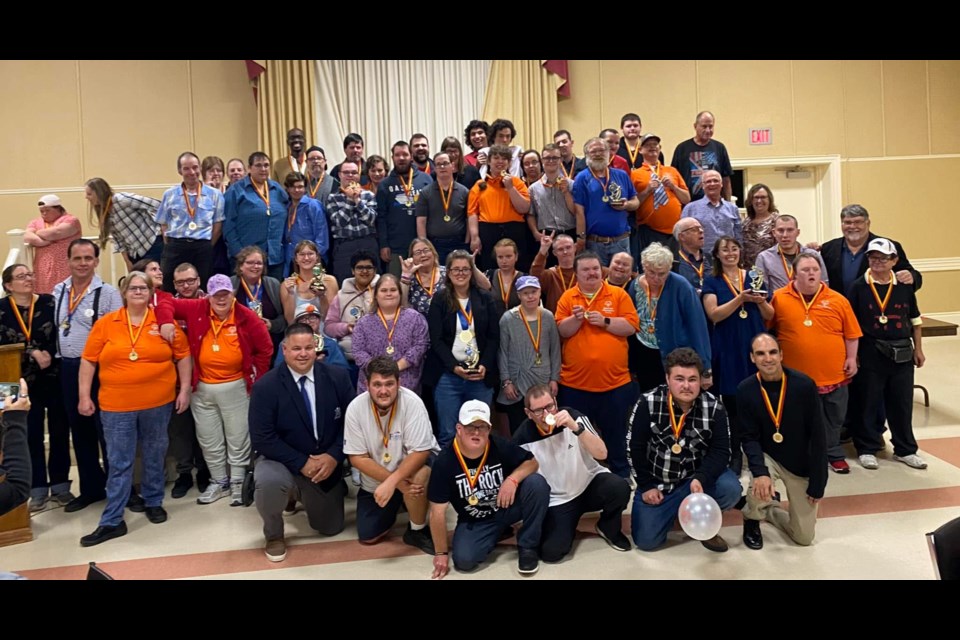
(514, 481)
(503, 385)
(442, 553)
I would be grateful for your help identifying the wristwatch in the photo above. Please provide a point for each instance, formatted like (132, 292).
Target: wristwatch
(579, 431)
(606, 321)
(582, 235)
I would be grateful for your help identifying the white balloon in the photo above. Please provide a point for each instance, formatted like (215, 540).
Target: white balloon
(700, 516)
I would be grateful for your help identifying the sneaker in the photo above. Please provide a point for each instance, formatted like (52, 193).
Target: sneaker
(236, 494)
(64, 498)
(275, 550)
(39, 504)
(912, 460)
(840, 466)
(182, 484)
(421, 539)
(529, 562)
(214, 492)
(617, 541)
(869, 461)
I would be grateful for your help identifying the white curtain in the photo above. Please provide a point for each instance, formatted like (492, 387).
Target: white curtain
(390, 100)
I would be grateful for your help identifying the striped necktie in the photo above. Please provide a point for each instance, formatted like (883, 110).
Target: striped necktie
(660, 193)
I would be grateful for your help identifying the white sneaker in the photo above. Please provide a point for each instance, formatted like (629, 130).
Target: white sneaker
(912, 460)
(632, 482)
(236, 494)
(869, 461)
(214, 492)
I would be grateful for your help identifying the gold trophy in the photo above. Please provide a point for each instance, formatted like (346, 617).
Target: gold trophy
(756, 276)
(317, 343)
(472, 363)
(616, 194)
(317, 282)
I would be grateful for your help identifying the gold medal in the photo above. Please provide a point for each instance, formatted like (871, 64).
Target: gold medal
(192, 226)
(390, 349)
(676, 449)
(550, 419)
(387, 457)
(651, 329)
(882, 319)
(777, 437)
(133, 356)
(605, 198)
(743, 313)
(473, 500)
(466, 336)
(216, 348)
(775, 416)
(808, 322)
(65, 326)
(538, 361)
(446, 218)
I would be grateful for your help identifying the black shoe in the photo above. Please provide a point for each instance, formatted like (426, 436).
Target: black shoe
(203, 480)
(156, 515)
(182, 484)
(529, 562)
(617, 541)
(81, 502)
(420, 539)
(102, 534)
(752, 537)
(135, 503)
(715, 544)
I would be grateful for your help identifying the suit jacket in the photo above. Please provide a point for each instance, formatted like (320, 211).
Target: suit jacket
(440, 321)
(831, 252)
(280, 428)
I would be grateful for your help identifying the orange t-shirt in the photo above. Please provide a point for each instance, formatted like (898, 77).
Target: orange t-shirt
(663, 218)
(493, 203)
(593, 358)
(224, 364)
(818, 350)
(127, 385)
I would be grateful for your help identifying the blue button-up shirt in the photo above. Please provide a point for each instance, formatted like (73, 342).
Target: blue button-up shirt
(71, 345)
(721, 219)
(173, 213)
(248, 222)
(309, 224)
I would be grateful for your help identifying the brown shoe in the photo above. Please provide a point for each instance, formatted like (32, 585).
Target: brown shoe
(716, 544)
(276, 550)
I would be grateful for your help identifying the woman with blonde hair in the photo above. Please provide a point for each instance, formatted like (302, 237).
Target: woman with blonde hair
(128, 217)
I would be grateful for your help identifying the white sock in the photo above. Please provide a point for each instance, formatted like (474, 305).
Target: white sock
(417, 527)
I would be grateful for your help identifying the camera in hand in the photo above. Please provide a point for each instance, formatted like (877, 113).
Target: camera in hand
(9, 392)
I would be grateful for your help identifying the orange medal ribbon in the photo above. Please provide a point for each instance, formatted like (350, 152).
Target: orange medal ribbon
(677, 427)
(471, 479)
(143, 323)
(213, 322)
(699, 269)
(408, 186)
(72, 304)
(653, 309)
(384, 433)
(787, 267)
(265, 195)
(778, 416)
(445, 197)
(26, 328)
(314, 190)
(876, 296)
(504, 291)
(433, 275)
(633, 154)
(536, 343)
(806, 307)
(389, 330)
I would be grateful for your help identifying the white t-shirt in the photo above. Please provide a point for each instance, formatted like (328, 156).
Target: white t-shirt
(410, 432)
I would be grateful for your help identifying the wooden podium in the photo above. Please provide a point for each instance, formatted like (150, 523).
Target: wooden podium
(14, 526)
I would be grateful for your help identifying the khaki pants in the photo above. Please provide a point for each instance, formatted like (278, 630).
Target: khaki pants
(800, 521)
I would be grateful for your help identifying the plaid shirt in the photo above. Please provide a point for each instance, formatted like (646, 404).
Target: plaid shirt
(349, 221)
(705, 440)
(133, 224)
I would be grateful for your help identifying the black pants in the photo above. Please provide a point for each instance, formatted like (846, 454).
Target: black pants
(491, 232)
(645, 364)
(736, 454)
(183, 447)
(607, 493)
(176, 251)
(514, 412)
(890, 386)
(87, 432)
(45, 402)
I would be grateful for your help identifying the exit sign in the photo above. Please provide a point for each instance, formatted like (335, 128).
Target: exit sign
(761, 136)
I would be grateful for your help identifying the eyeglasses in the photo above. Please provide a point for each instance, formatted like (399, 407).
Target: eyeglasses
(253, 263)
(539, 412)
(697, 228)
(23, 276)
(551, 158)
(138, 289)
(315, 160)
(187, 282)
(761, 197)
(443, 165)
(363, 267)
(879, 257)
(305, 253)
(477, 428)
(460, 271)
(422, 252)
(261, 165)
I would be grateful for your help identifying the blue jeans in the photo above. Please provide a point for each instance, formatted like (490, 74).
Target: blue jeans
(609, 412)
(652, 523)
(606, 250)
(450, 394)
(123, 430)
(473, 541)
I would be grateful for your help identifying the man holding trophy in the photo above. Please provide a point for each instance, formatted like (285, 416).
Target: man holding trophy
(604, 197)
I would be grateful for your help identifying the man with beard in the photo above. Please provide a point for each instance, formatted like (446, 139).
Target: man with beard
(420, 149)
(604, 197)
(396, 204)
(388, 438)
(296, 161)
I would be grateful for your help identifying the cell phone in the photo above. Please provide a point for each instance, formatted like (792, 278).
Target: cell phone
(9, 392)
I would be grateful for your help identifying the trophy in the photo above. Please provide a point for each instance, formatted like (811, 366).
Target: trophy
(756, 280)
(472, 363)
(616, 194)
(318, 344)
(317, 282)
(257, 307)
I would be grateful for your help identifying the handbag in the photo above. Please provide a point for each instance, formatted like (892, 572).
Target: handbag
(898, 351)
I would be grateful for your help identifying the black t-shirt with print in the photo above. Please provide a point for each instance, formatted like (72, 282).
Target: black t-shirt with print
(448, 482)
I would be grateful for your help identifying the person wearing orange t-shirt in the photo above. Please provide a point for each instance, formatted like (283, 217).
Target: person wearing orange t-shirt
(595, 320)
(137, 394)
(662, 193)
(500, 203)
(231, 349)
(819, 335)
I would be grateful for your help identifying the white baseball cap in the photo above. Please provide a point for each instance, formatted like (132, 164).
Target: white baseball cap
(475, 411)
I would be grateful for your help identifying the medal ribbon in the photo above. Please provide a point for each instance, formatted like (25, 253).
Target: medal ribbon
(250, 295)
(465, 315)
(778, 416)
(536, 343)
(26, 328)
(213, 322)
(471, 479)
(699, 269)
(186, 199)
(677, 427)
(429, 289)
(389, 330)
(876, 296)
(143, 323)
(384, 433)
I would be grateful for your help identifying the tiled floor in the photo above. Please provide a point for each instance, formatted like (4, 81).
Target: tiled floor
(872, 525)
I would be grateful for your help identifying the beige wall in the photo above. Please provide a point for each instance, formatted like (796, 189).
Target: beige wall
(894, 123)
(124, 121)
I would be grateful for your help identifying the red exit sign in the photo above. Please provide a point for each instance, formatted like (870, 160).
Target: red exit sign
(761, 136)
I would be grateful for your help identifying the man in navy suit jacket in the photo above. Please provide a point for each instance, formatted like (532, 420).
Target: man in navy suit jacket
(296, 428)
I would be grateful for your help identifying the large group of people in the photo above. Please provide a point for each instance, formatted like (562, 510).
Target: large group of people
(527, 335)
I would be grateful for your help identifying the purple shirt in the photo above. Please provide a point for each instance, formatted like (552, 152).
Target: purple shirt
(411, 340)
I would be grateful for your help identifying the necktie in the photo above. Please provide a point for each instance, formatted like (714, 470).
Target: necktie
(659, 194)
(306, 402)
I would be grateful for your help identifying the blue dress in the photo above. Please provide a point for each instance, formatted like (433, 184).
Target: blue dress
(731, 339)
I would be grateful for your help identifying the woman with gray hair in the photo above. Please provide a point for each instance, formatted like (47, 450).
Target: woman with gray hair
(671, 317)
